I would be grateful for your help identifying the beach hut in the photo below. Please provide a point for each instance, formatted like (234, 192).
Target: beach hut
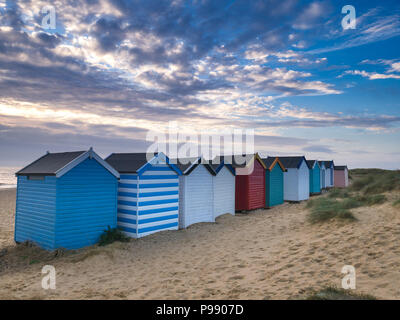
(329, 174)
(341, 176)
(148, 193)
(296, 179)
(315, 176)
(196, 192)
(274, 189)
(223, 187)
(322, 174)
(66, 200)
(250, 182)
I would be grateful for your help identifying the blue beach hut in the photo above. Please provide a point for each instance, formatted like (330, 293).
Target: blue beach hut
(148, 193)
(315, 176)
(65, 200)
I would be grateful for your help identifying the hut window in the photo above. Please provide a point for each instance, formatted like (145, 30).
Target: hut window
(35, 177)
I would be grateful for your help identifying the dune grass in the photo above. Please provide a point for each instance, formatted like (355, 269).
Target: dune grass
(338, 193)
(366, 190)
(323, 209)
(396, 203)
(112, 235)
(334, 293)
(375, 181)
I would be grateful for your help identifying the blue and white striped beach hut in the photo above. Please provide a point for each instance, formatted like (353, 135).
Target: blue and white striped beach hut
(66, 200)
(148, 193)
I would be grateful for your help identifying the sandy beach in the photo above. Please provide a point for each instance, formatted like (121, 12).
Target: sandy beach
(264, 254)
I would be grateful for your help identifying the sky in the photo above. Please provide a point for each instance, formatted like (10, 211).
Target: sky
(113, 70)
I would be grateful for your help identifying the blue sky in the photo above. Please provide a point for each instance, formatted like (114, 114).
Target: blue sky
(113, 69)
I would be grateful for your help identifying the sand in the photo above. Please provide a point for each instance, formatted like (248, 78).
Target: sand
(265, 254)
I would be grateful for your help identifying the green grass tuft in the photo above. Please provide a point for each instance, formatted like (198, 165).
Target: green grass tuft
(334, 293)
(324, 209)
(338, 193)
(396, 203)
(112, 235)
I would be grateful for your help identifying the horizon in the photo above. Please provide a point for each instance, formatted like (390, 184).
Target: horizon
(109, 71)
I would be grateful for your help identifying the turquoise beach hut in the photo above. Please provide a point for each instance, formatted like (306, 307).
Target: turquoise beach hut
(315, 176)
(65, 200)
(274, 189)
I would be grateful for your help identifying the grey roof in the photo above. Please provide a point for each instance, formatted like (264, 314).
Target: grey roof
(50, 163)
(291, 162)
(310, 163)
(340, 167)
(328, 163)
(185, 163)
(268, 161)
(127, 162)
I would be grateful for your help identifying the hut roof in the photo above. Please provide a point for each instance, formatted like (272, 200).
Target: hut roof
(57, 164)
(134, 162)
(243, 160)
(270, 163)
(312, 163)
(340, 167)
(187, 165)
(127, 162)
(292, 162)
(328, 163)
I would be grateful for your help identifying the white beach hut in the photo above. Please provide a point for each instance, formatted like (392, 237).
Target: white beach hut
(196, 195)
(296, 179)
(223, 187)
(329, 173)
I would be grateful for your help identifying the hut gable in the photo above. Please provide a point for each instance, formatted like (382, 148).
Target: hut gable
(271, 162)
(58, 164)
(292, 162)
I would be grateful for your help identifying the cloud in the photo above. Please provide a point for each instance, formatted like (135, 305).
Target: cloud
(371, 75)
(374, 25)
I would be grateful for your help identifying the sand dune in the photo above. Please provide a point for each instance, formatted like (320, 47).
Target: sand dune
(266, 254)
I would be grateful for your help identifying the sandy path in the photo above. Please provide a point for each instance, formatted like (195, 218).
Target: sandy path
(266, 254)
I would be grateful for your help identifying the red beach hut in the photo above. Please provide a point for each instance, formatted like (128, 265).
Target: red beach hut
(250, 182)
